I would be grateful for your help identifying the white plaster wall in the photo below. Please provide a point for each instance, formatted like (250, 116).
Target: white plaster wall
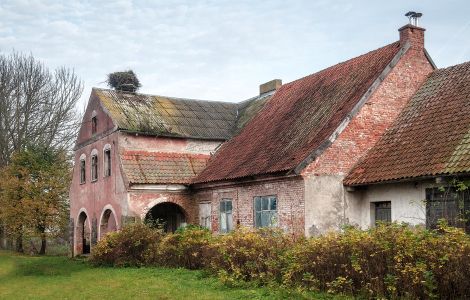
(329, 206)
(407, 201)
(324, 204)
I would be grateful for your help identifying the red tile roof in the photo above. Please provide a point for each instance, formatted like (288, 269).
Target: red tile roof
(430, 137)
(159, 167)
(298, 119)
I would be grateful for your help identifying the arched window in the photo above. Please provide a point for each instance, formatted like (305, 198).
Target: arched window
(107, 160)
(94, 165)
(94, 123)
(82, 169)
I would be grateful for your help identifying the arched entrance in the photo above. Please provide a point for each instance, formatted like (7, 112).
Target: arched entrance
(83, 234)
(107, 223)
(171, 216)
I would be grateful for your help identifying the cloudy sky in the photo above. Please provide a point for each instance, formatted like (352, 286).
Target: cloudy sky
(220, 50)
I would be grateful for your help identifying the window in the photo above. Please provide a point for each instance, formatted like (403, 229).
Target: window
(226, 220)
(107, 162)
(94, 168)
(82, 171)
(205, 211)
(449, 204)
(266, 211)
(383, 212)
(94, 124)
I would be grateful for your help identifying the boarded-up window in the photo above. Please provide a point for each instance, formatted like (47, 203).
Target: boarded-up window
(226, 220)
(82, 171)
(448, 204)
(383, 212)
(265, 211)
(94, 168)
(205, 212)
(107, 162)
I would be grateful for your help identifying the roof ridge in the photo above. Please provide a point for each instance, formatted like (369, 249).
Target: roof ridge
(344, 62)
(163, 96)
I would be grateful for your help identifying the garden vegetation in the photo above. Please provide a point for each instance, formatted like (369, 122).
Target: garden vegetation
(391, 261)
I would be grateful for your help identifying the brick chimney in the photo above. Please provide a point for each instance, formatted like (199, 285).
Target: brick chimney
(270, 86)
(411, 32)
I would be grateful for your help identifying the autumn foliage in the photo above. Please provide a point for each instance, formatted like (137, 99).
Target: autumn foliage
(388, 261)
(34, 195)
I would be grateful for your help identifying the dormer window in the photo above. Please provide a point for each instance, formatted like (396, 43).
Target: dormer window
(94, 167)
(94, 124)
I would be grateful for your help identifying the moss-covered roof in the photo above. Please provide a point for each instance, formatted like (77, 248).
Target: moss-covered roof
(170, 116)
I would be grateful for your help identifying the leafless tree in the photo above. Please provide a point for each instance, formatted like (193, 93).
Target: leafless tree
(37, 106)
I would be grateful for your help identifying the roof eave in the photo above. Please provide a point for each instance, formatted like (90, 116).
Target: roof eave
(407, 179)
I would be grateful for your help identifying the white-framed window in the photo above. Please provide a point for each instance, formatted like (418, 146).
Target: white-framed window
(107, 160)
(265, 211)
(226, 219)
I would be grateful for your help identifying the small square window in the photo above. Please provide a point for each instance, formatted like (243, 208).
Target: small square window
(383, 212)
(265, 211)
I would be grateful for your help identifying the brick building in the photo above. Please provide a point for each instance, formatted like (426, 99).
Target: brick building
(278, 159)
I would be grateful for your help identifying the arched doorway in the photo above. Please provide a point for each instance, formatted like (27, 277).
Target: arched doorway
(83, 234)
(107, 223)
(171, 216)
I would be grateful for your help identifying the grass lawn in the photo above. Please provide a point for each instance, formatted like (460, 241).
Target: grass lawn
(25, 277)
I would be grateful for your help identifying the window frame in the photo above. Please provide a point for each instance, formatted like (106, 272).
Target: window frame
(94, 125)
(107, 161)
(82, 170)
(228, 215)
(273, 222)
(459, 201)
(94, 167)
(376, 208)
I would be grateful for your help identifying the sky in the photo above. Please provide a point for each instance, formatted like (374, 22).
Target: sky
(220, 50)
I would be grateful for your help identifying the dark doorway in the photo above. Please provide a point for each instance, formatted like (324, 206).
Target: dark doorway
(168, 215)
(83, 234)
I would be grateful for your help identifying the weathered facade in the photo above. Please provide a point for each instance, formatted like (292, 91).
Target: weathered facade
(278, 159)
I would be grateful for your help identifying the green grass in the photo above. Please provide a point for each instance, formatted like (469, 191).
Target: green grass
(26, 277)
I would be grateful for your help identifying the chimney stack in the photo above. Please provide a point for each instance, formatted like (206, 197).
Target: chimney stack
(270, 86)
(411, 32)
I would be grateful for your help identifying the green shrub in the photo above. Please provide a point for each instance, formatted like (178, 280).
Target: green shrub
(132, 246)
(249, 255)
(388, 261)
(188, 247)
(393, 261)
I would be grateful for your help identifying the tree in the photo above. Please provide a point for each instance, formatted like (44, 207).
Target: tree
(125, 81)
(37, 106)
(34, 194)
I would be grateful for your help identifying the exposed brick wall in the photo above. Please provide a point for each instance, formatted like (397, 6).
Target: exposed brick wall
(290, 202)
(140, 202)
(380, 110)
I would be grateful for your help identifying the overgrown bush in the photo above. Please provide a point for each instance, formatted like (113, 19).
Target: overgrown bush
(188, 248)
(393, 261)
(249, 255)
(388, 261)
(132, 246)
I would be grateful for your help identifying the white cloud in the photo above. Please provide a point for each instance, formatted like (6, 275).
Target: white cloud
(216, 49)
